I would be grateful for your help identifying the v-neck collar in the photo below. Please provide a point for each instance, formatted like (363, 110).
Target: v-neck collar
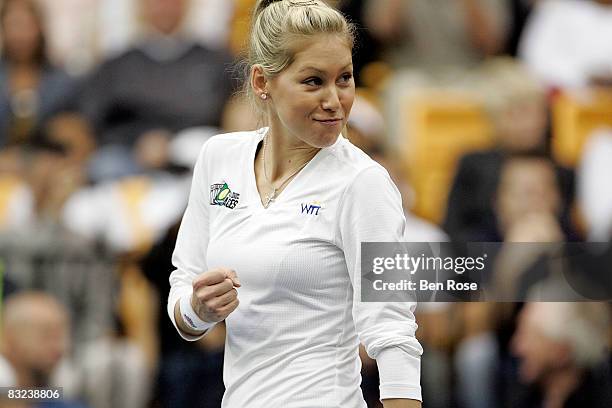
(261, 133)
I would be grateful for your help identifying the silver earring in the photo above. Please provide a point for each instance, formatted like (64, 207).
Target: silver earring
(264, 96)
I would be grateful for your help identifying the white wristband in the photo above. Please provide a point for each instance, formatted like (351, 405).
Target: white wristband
(190, 317)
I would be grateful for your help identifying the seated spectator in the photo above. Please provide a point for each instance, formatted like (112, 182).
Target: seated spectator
(528, 200)
(128, 215)
(83, 277)
(563, 353)
(435, 37)
(35, 338)
(166, 82)
(528, 208)
(527, 204)
(37, 178)
(535, 254)
(430, 46)
(132, 213)
(82, 31)
(31, 88)
(529, 213)
(518, 110)
(566, 43)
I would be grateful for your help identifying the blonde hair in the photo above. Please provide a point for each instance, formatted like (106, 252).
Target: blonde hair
(278, 24)
(582, 325)
(508, 83)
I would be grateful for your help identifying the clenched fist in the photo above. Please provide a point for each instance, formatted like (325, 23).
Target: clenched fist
(214, 297)
(214, 294)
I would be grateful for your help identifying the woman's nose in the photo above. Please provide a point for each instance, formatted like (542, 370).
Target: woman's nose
(331, 101)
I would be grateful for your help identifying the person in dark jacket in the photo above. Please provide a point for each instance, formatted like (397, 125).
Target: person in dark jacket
(32, 89)
(166, 82)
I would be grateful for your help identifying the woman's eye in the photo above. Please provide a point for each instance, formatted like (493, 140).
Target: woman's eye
(313, 81)
(347, 77)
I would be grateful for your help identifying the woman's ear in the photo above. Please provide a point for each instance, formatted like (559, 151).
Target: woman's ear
(259, 82)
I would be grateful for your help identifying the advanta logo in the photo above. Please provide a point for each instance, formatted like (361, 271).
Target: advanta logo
(220, 194)
(311, 209)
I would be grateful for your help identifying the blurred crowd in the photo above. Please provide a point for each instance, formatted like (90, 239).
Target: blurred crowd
(104, 105)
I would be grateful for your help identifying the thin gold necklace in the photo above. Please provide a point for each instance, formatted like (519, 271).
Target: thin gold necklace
(272, 195)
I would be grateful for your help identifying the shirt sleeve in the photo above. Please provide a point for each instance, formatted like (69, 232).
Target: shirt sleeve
(371, 211)
(189, 257)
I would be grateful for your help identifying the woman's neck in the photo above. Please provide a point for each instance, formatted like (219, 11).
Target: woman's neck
(284, 154)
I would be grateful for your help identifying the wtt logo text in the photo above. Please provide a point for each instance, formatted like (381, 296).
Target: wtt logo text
(310, 209)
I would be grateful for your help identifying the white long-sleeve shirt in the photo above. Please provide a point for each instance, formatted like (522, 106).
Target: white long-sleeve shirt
(293, 340)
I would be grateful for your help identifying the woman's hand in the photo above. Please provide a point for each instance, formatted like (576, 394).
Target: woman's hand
(214, 294)
(214, 298)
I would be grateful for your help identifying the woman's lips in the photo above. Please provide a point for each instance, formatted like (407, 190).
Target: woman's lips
(330, 122)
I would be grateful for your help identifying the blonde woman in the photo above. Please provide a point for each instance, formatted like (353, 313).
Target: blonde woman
(271, 238)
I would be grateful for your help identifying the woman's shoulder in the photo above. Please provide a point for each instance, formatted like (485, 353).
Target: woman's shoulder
(242, 139)
(352, 161)
(228, 147)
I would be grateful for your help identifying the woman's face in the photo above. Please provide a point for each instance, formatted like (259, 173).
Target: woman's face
(165, 16)
(522, 125)
(21, 32)
(310, 100)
